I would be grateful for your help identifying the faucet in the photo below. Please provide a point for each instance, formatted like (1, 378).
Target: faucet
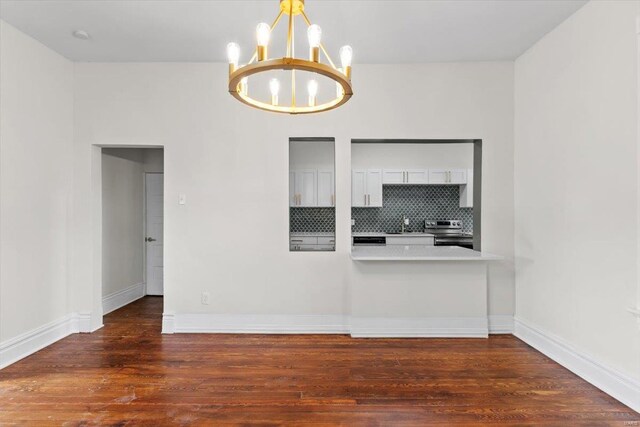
(405, 221)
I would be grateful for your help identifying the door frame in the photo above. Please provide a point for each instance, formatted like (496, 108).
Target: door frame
(90, 321)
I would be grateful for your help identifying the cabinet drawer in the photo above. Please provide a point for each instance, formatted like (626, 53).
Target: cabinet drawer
(305, 248)
(326, 240)
(400, 240)
(303, 240)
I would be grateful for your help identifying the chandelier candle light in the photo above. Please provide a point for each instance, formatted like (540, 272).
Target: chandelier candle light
(260, 62)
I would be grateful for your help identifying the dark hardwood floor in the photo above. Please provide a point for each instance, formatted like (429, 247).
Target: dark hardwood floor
(129, 374)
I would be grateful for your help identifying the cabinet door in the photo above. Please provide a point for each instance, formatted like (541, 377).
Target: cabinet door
(306, 187)
(325, 188)
(293, 201)
(374, 188)
(358, 188)
(417, 176)
(466, 191)
(458, 176)
(438, 176)
(393, 176)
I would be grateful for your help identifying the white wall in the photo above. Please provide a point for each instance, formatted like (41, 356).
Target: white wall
(398, 156)
(312, 155)
(36, 136)
(232, 163)
(576, 184)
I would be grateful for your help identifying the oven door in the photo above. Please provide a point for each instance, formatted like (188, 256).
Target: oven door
(464, 242)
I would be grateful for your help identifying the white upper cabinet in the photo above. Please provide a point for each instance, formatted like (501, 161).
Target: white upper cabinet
(304, 186)
(417, 176)
(359, 188)
(366, 188)
(374, 187)
(447, 176)
(326, 196)
(457, 176)
(393, 176)
(405, 176)
(293, 196)
(466, 191)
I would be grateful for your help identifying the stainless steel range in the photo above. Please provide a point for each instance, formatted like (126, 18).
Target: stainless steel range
(448, 232)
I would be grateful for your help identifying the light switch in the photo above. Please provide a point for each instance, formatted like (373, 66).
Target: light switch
(182, 199)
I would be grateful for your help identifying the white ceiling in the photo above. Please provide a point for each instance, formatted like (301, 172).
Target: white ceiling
(391, 31)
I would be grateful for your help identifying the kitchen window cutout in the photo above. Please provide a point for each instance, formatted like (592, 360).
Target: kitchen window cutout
(312, 195)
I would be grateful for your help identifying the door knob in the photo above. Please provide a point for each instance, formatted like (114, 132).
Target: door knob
(149, 239)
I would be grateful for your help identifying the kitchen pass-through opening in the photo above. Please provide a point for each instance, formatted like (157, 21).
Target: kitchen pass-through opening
(416, 192)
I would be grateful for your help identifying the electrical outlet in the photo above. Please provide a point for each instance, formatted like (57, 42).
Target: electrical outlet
(205, 298)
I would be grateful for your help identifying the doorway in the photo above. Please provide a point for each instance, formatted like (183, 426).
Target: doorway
(132, 225)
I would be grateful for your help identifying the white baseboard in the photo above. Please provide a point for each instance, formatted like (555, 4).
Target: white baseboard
(607, 379)
(36, 339)
(500, 324)
(254, 324)
(168, 323)
(427, 327)
(361, 327)
(83, 323)
(121, 298)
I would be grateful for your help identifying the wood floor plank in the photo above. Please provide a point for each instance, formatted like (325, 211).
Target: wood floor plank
(129, 373)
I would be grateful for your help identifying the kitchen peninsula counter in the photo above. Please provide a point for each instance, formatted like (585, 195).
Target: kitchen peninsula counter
(418, 253)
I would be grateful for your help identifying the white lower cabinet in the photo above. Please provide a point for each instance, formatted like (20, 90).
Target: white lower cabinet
(312, 243)
(366, 188)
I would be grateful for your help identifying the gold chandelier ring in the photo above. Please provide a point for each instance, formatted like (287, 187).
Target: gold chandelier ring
(290, 64)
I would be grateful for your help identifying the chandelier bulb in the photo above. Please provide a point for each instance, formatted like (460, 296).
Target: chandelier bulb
(263, 33)
(346, 55)
(312, 89)
(314, 34)
(244, 85)
(233, 55)
(274, 87)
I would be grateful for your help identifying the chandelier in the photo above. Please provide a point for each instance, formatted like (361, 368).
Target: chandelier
(261, 63)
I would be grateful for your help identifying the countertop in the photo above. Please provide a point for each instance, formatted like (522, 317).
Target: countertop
(382, 233)
(419, 253)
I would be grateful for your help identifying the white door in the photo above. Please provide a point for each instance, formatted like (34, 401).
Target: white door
(374, 188)
(306, 187)
(325, 188)
(393, 176)
(358, 188)
(154, 191)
